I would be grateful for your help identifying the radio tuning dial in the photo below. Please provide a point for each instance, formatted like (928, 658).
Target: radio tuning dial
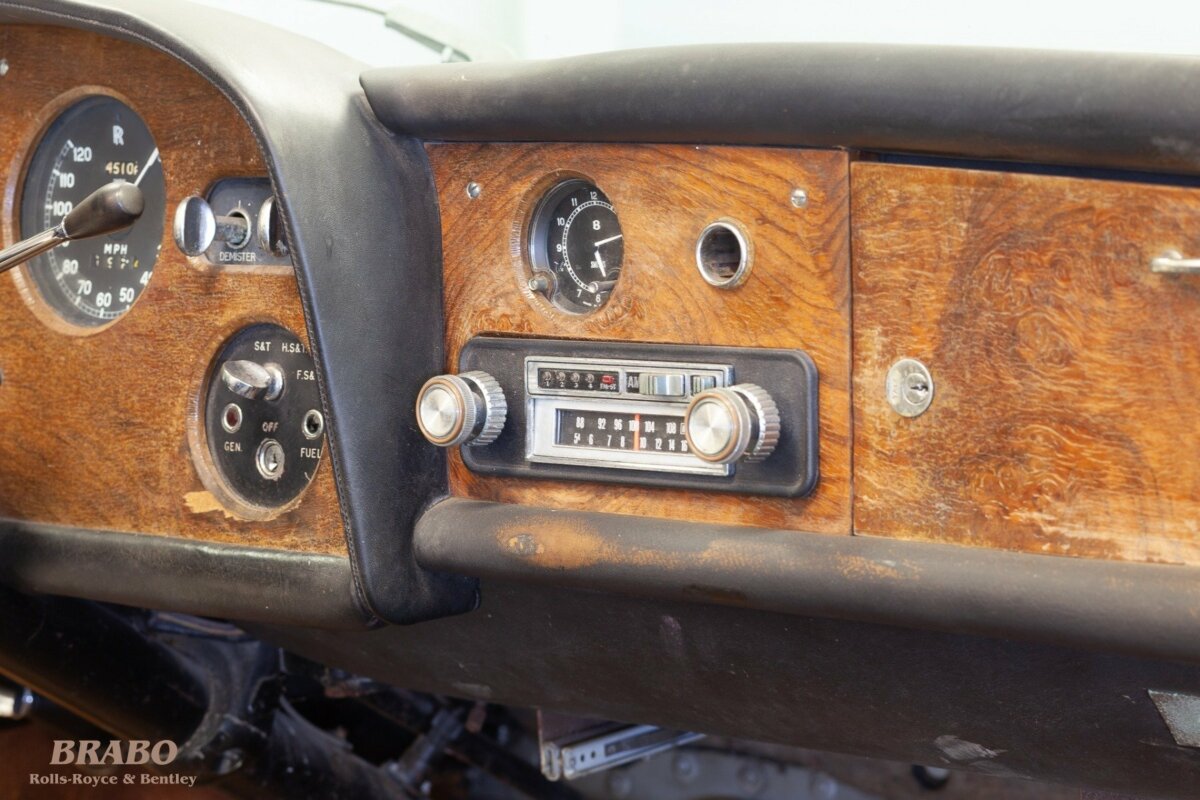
(735, 423)
(466, 409)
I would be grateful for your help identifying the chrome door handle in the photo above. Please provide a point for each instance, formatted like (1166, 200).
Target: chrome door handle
(1173, 262)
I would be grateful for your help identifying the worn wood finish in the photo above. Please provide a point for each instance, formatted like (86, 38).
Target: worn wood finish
(93, 429)
(797, 294)
(1066, 416)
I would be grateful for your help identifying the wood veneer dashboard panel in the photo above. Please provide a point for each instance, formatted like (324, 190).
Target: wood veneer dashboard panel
(1066, 415)
(93, 429)
(797, 294)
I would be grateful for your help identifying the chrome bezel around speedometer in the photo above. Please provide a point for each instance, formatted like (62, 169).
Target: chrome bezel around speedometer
(88, 140)
(585, 284)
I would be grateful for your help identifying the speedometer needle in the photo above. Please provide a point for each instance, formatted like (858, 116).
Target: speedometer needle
(149, 163)
(609, 239)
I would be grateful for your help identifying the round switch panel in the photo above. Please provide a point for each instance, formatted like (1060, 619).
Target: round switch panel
(262, 417)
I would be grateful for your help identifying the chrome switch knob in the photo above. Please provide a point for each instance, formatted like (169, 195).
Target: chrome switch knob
(467, 409)
(196, 227)
(252, 380)
(734, 423)
(270, 228)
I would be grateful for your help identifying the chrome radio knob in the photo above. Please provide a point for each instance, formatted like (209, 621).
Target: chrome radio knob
(466, 409)
(734, 423)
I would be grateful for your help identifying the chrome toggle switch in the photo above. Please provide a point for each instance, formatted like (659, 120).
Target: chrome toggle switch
(196, 227)
(251, 380)
(466, 409)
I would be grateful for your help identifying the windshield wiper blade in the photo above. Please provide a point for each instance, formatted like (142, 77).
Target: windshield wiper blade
(444, 38)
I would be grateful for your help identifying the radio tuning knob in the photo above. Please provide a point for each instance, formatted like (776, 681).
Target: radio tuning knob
(467, 409)
(734, 423)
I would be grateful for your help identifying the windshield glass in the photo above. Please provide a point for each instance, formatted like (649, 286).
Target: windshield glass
(549, 28)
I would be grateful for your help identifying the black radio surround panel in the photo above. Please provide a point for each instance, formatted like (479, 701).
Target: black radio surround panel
(599, 386)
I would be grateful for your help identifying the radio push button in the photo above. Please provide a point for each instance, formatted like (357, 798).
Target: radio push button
(662, 384)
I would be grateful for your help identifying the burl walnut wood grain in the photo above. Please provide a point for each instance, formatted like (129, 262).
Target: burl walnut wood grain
(1066, 417)
(93, 428)
(797, 294)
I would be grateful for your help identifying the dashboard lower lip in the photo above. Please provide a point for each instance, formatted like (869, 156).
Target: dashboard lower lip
(281, 587)
(946, 588)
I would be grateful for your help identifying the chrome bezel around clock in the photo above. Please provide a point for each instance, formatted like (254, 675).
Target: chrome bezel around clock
(552, 274)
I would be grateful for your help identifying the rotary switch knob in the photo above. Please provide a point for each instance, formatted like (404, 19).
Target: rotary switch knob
(464, 409)
(734, 423)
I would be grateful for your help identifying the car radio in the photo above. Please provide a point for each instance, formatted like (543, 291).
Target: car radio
(716, 418)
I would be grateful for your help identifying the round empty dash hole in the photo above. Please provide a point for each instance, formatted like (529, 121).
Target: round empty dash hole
(723, 255)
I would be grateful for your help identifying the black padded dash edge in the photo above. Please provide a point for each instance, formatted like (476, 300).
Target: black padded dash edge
(204, 578)
(1109, 606)
(358, 207)
(1114, 111)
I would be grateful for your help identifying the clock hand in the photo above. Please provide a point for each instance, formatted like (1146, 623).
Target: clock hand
(600, 263)
(609, 239)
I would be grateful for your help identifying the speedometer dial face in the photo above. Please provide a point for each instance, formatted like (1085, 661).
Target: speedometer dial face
(92, 282)
(576, 247)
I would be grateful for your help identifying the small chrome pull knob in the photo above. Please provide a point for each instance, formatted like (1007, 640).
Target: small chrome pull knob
(734, 423)
(196, 227)
(252, 380)
(270, 228)
(466, 409)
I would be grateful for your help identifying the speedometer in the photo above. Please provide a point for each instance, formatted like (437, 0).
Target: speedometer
(94, 142)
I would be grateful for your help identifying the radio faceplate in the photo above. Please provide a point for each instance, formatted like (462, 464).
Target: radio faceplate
(652, 383)
(616, 414)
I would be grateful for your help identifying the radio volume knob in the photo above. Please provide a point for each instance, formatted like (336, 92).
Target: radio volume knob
(734, 423)
(466, 409)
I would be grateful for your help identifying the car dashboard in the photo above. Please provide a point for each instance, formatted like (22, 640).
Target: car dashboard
(783, 392)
